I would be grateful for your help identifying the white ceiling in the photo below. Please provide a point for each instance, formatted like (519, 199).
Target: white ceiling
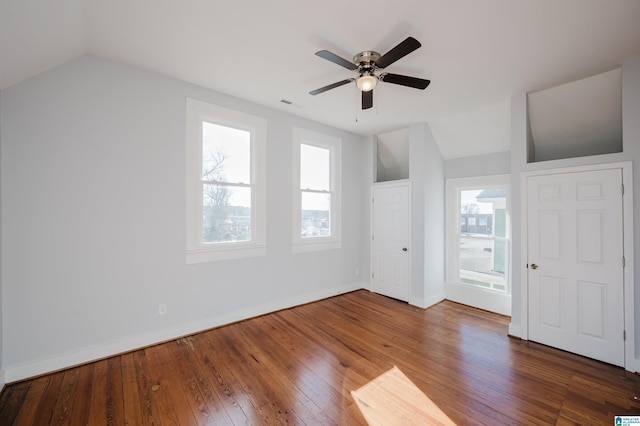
(476, 53)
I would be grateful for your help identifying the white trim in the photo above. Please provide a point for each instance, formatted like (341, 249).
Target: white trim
(86, 355)
(197, 112)
(478, 297)
(514, 330)
(334, 145)
(428, 302)
(490, 300)
(631, 362)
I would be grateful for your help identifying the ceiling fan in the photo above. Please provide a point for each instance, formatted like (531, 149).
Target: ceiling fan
(366, 64)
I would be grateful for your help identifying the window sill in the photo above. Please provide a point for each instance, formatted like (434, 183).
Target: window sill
(206, 254)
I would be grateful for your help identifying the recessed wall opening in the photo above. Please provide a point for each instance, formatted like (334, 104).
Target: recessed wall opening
(392, 159)
(576, 119)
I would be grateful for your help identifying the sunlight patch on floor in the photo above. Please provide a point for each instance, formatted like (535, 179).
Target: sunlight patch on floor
(393, 399)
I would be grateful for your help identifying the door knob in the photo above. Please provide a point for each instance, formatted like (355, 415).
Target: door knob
(404, 249)
(534, 266)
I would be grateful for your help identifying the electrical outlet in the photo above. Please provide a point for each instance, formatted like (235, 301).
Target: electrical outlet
(162, 309)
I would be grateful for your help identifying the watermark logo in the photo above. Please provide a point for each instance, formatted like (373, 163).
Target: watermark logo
(627, 421)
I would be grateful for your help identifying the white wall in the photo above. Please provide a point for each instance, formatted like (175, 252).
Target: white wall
(93, 210)
(498, 163)
(631, 151)
(427, 217)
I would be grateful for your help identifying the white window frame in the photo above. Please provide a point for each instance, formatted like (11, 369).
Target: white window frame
(198, 251)
(488, 299)
(334, 145)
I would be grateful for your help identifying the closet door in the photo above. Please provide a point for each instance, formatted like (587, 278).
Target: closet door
(575, 263)
(390, 241)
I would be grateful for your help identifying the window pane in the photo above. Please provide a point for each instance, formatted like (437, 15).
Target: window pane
(482, 210)
(482, 262)
(315, 168)
(316, 216)
(226, 154)
(226, 213)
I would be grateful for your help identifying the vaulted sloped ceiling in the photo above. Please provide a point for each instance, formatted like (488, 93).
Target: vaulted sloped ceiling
(476, 53)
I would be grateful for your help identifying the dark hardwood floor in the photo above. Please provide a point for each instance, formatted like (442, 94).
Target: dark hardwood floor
(299, 365)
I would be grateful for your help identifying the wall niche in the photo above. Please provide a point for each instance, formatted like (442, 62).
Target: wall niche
(576, 119)
(392, 155)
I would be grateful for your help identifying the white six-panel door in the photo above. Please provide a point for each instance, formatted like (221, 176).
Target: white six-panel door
(390, 241)
(575, 263)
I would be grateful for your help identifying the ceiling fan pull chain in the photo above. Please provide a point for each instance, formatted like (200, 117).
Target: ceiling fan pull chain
(356, 104)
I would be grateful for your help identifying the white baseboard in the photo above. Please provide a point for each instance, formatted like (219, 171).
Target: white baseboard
(428, 302)
(633, 365)
(86, 355)
(480, 298)
(514, 330)
(3, 380)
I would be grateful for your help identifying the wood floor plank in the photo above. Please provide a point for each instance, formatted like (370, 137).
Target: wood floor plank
(29, 410)
(131, 397)
(216, 382)
(316, 369)
(202, 397)
(249, 375)
(98, 396)
(146, 387)
(115, 395)
(274, 359)
(300, 366)
(14, 400)
(203, 411)
(81, 402)
(166, 391)
(62, 411)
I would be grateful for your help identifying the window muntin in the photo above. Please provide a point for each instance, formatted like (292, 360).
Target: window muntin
(226, 183)
(316, 192)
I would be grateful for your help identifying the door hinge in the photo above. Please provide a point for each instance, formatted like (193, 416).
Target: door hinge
(624, 335)
(622, 189)
(372, 199)
(372, 275)
(624, 262)
(373, 237)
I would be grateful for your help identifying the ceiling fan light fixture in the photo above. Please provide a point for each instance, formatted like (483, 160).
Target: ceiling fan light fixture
(366, 83)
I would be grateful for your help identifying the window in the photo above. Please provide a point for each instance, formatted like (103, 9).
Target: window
(478, 238)
(316, 192)
(225, 183)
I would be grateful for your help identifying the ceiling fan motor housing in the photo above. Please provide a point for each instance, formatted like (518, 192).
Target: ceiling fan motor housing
(366, 61)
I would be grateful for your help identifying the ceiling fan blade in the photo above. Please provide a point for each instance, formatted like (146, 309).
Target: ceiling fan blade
(403, 49)
(331, 86)
(405, 80)
(367, 99)
(332, 57)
